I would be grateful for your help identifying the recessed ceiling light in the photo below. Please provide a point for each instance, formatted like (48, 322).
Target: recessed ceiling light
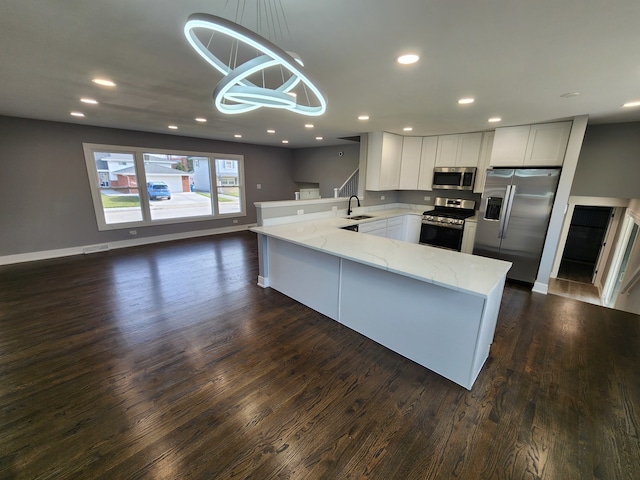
(632, 104)
(495, 119)
(363, 117)
(172, 127)
(104, 82)
(465, 101)
(201, 119)
(237, 135)
(570, 94)
(77, 114)
(408, 59)
(407, 129)
(271, 131)
(285, 141)
(319, 138)
(90, 101)
(308, 125)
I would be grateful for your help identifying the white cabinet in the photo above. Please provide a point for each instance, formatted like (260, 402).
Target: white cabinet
(377, 227)
(447, 152)
(547, 144)
(384, 153)
(468, 237)
(542, 145)
(509, 146)
(412, 225)
(410, 163)
(483, 162)
(461, 150)
(427, 162)
(395, 228)
(404, 227)
(469, 150)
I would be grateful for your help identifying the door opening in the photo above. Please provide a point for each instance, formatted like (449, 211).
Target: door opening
(585, 240)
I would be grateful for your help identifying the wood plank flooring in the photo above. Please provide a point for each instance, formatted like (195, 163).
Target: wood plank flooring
(585, 292)
(167, 361)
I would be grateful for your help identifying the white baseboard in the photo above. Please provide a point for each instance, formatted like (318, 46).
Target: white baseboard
(102, 247)
(540, 287)
(263, 281)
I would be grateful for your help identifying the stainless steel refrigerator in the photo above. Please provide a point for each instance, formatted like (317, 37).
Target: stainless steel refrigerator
(514, 216)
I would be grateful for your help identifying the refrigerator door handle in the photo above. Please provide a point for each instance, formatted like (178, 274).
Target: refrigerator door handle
(503, 211)
(511, 192)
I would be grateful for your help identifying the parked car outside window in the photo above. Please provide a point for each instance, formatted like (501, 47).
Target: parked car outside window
(158, 190)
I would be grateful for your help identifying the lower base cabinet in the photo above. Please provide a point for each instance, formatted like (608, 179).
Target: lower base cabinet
(468, 237)
(395, 228)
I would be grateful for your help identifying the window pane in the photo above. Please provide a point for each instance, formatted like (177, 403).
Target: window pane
(178, 186)
(228, 185)
(118, 184)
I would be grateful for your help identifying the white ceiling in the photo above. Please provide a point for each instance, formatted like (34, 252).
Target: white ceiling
(515, 57)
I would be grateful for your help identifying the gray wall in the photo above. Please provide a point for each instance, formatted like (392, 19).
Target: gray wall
(44, 189)
(325, 166)
(609, 162)
(417, 198)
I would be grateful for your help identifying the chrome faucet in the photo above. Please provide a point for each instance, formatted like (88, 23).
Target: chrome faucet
(349, 210)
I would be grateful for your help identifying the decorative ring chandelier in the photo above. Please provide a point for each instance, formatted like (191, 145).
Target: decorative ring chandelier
(257, 74)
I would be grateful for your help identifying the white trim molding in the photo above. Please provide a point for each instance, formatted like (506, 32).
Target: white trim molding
(103, 247)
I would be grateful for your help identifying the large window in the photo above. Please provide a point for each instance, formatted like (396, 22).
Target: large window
(137, 186)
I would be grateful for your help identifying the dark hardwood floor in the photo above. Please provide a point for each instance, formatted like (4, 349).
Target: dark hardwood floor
(167, 361)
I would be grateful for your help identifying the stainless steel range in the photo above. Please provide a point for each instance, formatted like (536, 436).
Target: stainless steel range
(444, 225)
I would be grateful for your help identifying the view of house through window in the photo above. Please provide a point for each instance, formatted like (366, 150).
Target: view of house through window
(143, 187)
(228, 185)
(118, 187)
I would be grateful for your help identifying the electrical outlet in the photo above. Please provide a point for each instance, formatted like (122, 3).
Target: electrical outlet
(235, 220)
(300, 212)
(133, 232)
(427, 198)
(381, 197)
(259, 186)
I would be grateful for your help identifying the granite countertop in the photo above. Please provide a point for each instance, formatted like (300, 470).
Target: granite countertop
(458, 271)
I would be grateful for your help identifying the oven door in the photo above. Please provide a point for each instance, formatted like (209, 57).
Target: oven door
(437, 235)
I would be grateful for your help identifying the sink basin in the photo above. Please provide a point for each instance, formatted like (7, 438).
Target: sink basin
(360, 217)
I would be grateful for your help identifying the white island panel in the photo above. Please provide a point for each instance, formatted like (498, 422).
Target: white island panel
(306, 275)
(434, 326)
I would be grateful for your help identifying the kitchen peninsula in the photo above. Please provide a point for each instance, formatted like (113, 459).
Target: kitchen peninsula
(436, 307)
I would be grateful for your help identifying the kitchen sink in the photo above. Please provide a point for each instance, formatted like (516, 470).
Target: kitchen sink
(359, 217)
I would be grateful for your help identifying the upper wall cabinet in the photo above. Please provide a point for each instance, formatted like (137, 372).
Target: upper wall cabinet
(542, 145)
(427, 162)
(458, 150)
(483, 162)
(384, 153)
(410, 163)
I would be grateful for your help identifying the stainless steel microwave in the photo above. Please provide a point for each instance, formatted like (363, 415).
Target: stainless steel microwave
(454, 178)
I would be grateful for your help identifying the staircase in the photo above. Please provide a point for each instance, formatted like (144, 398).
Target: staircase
(350, 186)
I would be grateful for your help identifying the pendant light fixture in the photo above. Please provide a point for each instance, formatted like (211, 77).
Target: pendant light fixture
(257, 73)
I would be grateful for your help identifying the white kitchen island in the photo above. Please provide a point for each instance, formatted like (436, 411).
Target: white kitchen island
(436, 307)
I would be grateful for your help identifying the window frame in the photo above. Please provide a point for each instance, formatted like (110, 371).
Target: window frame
(138, 160)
